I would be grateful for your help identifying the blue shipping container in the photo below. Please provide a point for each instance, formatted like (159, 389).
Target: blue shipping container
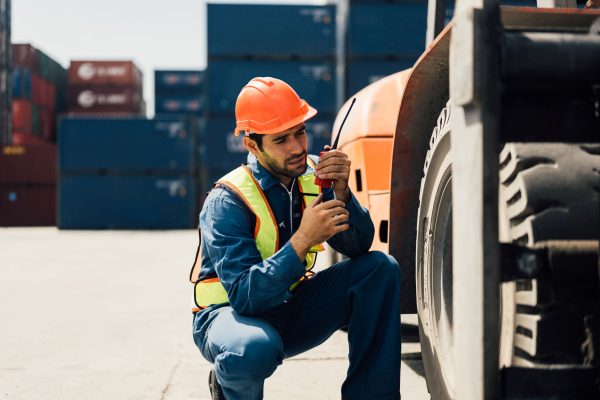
(318, 132)
(219, 148)
(314, 81)
(259, 30)
(396, 30)
(21, 83)
(127, 202)
(179, 104)
(126, 144)
(179, 82)
(360, 74)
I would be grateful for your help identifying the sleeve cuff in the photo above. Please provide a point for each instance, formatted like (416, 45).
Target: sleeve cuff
(289, 267)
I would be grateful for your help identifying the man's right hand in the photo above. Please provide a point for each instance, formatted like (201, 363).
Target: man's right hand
(320, 222)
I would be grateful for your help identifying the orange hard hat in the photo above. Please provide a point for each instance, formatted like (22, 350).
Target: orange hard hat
(268, 105)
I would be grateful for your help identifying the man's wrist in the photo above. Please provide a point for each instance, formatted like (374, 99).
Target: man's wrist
(301, 244)
(343, 195)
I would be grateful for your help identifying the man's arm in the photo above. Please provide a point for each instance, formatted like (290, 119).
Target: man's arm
(252, 285)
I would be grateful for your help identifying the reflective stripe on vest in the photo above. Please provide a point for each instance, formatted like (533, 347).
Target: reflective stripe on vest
(266, 234)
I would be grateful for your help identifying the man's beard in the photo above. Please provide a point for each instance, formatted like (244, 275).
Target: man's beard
(281, 170)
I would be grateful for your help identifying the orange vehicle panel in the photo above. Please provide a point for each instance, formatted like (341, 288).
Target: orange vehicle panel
(379, 208)
(371, 166)
(376, 110)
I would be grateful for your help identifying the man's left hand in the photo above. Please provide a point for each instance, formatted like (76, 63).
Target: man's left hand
(335, 165)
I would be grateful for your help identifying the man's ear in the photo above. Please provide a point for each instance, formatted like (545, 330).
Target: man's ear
(250, 145)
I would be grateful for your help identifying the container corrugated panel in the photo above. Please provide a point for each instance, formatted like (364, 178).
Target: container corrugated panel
(126, 144)
(270, 30)
(127, 202)
(105, 73)
(21, 83)
(26, 56)
(23, 205)
(219, 148)
(26, 138)
(318, 131)
(360, 74)
(179, 82)
(101, 99)
(387, 30)
(21, 115)
(314, 81)
(179, 104)
(28, 164)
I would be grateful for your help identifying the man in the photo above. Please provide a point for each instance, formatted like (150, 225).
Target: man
(256, 302)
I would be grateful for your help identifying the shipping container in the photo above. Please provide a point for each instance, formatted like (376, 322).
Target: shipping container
(273, 31)
(21, 115)
(6, 66)
(179, 104)
(179, 82)
(111, 73)
(314, 81)
(318, 131)
(35, 164)
(25, 56)
(103, 99)
(27, 138)
(387, 30)
(126, 144)
(127, 202)
(360, 74)
(219, 148)
(27, 205)
(21, 83)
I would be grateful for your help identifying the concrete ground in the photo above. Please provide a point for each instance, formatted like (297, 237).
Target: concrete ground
(106, 315)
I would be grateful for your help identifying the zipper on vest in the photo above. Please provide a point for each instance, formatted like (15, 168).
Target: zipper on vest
(290, 194)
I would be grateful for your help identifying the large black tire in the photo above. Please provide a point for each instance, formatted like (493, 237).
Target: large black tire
(548, 192)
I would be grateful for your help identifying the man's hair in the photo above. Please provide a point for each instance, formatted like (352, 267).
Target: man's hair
(257, 139)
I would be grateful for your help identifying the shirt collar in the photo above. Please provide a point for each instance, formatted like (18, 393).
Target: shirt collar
(263, 177)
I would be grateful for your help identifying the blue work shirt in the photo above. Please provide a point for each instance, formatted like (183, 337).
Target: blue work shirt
(229, 250)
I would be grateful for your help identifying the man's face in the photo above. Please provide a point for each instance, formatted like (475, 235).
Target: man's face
(284, 154)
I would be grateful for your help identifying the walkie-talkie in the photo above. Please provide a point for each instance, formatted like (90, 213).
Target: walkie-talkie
(327, 183)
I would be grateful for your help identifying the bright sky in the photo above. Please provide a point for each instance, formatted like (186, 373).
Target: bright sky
(156, 34)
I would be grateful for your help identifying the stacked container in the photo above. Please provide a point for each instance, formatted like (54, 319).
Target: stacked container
(5, 73)
(28, 185)
(126, 173)
(295, 43)
(382, 37)
(38, 92)
(105, 87)
(179, 92)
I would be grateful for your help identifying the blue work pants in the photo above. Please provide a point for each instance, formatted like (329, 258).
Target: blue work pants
(362, 294)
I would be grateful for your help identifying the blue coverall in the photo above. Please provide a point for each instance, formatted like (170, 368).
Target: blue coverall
(266, 323)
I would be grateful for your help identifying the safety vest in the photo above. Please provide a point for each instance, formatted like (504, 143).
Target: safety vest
(210, 291)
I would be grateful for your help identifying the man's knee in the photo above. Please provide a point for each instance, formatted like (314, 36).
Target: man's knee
(253, 359)
(386, 265)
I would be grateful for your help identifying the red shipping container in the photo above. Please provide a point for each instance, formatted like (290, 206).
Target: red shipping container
(25, 56)
(48, 122)
(23, 205)
(88, 99)
(50, 96)
(28, 163)
(21, 115)
(112, 73)
(23, 138)
(37, 89)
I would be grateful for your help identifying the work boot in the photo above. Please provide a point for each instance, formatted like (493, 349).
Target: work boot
(216, 392)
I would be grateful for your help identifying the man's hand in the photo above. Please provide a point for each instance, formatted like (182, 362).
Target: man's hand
(319, 222)
(335, 165)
